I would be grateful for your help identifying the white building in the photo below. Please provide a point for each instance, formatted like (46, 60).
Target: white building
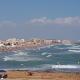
(66, 42)
(2, 45)
(12, 40)
(47, 41)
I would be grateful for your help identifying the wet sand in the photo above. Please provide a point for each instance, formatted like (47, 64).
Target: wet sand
(26, 75)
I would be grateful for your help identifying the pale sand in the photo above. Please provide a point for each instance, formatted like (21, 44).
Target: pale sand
(25, 75)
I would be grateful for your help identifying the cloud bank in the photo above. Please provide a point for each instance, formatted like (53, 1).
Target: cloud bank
(7, 24)
(9, 29)
(66, 21)
(57, 21)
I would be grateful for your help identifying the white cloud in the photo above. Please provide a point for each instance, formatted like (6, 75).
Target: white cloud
(58, 21)
(67, 20)
(7, 24)
(42, 20)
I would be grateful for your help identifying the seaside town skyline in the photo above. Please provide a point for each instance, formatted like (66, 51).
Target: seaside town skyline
(48, 19)
(22, 44)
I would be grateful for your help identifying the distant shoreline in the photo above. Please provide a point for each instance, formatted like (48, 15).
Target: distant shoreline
(19, 44)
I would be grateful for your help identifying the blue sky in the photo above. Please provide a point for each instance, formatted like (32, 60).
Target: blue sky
(58, 19)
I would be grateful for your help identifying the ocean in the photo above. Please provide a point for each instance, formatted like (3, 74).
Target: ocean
(50, 58)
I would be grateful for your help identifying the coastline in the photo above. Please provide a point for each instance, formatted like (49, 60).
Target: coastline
(35, 75)
(19, 44)
(19, 47)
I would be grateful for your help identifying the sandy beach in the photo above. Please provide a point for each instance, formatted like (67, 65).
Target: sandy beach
(30, 75)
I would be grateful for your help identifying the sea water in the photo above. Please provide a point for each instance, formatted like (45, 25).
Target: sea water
(54, 58)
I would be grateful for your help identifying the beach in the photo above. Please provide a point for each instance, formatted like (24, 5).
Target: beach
(42, 75)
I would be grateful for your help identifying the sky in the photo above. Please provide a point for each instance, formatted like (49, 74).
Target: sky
(47, 19)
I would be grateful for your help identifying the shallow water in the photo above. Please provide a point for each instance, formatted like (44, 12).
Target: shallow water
(44, 58)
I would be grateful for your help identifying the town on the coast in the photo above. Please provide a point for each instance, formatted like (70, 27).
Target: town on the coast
(17, 44)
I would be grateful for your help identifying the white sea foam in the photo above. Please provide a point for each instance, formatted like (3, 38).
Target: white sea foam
(39, 48)
(15, 58)
(48, 55)
(21, 64)
(74, 47)
(48, 46)
(60, 66)
(21, 53)
(66, 66)
(77, 51)
(44, 53)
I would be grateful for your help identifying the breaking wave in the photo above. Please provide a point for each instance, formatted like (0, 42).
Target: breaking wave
(44, 53)
(76, 51)
(21, 53)
(15, 58)
(48, 55)
(66, 66)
